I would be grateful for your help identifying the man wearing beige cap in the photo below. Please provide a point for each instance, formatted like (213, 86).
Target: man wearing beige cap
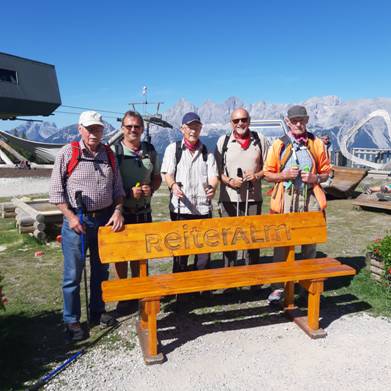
(87, 187)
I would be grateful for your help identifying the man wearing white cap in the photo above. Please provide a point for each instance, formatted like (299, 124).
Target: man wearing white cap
(85, 174)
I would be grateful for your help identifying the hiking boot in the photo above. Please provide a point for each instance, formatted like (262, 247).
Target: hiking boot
(276, 296)
(103, 319)
(74, 331)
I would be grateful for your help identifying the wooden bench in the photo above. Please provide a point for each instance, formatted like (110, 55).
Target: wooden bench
(166, 239)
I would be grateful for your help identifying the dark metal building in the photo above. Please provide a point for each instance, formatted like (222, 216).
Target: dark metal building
(27, 87)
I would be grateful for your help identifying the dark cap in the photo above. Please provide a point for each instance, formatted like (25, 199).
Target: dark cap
(297, 112)
(190, 117)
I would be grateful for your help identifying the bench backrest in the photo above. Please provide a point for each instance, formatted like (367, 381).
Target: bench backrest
(185, 237)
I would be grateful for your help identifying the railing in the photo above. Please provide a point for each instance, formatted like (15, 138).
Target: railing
(375, 155)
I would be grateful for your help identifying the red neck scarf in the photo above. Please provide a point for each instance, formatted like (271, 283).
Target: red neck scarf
(191, 147)
(243, 139)
(301, 139)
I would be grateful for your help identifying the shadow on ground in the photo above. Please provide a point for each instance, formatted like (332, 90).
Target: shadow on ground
(29, 344)
(182, 324)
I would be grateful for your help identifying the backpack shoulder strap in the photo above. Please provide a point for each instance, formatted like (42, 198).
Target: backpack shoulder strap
(151, 151)
(178, 155)
(286, 151)
(258, 143)
(204, 152)
(110, 155)
(75, 158)
(223, 152)
(119, 153)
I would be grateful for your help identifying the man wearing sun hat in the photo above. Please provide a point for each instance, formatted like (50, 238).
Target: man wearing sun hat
(87, 168)
(191, 175)
(297, 164)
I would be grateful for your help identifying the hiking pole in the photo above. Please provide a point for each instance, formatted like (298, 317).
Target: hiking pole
(178, 218)
(208, 187)
(248, 185)
(80, 211)
(239, 174)
(46, 378)
(136, 211)
(305, 190)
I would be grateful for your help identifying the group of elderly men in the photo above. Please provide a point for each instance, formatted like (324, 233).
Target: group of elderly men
(114, 186)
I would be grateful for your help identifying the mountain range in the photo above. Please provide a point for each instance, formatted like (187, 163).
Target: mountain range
(328, 113)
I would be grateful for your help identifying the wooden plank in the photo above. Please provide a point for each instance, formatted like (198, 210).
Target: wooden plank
(174, 238)
(203, 280)
(382, 205)
(302, 321)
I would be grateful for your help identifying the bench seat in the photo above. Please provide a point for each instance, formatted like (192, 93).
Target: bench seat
(214, 279)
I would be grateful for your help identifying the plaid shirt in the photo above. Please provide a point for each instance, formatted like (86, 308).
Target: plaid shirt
(100, 186)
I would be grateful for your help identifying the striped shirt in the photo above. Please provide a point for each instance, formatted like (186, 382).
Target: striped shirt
(100, 186)
(194, 174)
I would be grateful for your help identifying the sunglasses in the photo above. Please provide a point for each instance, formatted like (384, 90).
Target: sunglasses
(237, 120)
(130, 127)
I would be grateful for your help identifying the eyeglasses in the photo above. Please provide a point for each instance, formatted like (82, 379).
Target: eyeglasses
(237, 120)
(130, 127)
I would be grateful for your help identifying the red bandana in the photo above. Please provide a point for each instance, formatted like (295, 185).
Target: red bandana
(302, 139)
(243, 139)
(191, 147)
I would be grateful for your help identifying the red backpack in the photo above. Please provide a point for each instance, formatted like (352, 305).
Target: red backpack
(76, 157)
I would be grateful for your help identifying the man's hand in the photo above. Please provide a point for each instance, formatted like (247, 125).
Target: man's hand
(292, 173)
(137, 192)
(147, 190)
(236, 183)
(210, 192)
(74, 223)
(177, 191)
(249, 176)
(117, 220)
(308, 177)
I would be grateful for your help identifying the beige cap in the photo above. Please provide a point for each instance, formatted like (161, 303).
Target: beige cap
(88, 118)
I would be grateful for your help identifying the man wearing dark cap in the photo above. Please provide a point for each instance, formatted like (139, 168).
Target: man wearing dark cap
(297, 164)
(191, 175)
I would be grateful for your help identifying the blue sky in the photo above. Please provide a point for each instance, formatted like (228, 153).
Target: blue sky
(282, 51)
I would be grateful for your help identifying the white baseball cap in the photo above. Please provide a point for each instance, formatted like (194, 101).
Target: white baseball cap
(88, 118)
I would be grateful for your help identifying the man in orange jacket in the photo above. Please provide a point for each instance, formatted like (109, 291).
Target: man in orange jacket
(297, 163)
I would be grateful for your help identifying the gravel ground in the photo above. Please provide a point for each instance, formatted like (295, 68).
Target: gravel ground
(10, 187)
(273, 354)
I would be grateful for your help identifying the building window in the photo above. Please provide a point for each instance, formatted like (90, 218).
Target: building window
(8, 76)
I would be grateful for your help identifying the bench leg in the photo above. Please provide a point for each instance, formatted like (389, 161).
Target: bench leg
(289, 301)
(310, 323)
(147, 331)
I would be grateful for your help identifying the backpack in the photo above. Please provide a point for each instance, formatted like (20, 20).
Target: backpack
(76, 158)
(119, 152)
(257, 141)
(179, 150)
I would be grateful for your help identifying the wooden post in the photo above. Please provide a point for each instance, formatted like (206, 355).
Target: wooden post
(143, 268)
(289, 301)
(153, 308)
(314, 291)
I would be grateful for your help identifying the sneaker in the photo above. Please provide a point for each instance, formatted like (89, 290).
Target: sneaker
(276, 296)
(74, 331)
(103, 319)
